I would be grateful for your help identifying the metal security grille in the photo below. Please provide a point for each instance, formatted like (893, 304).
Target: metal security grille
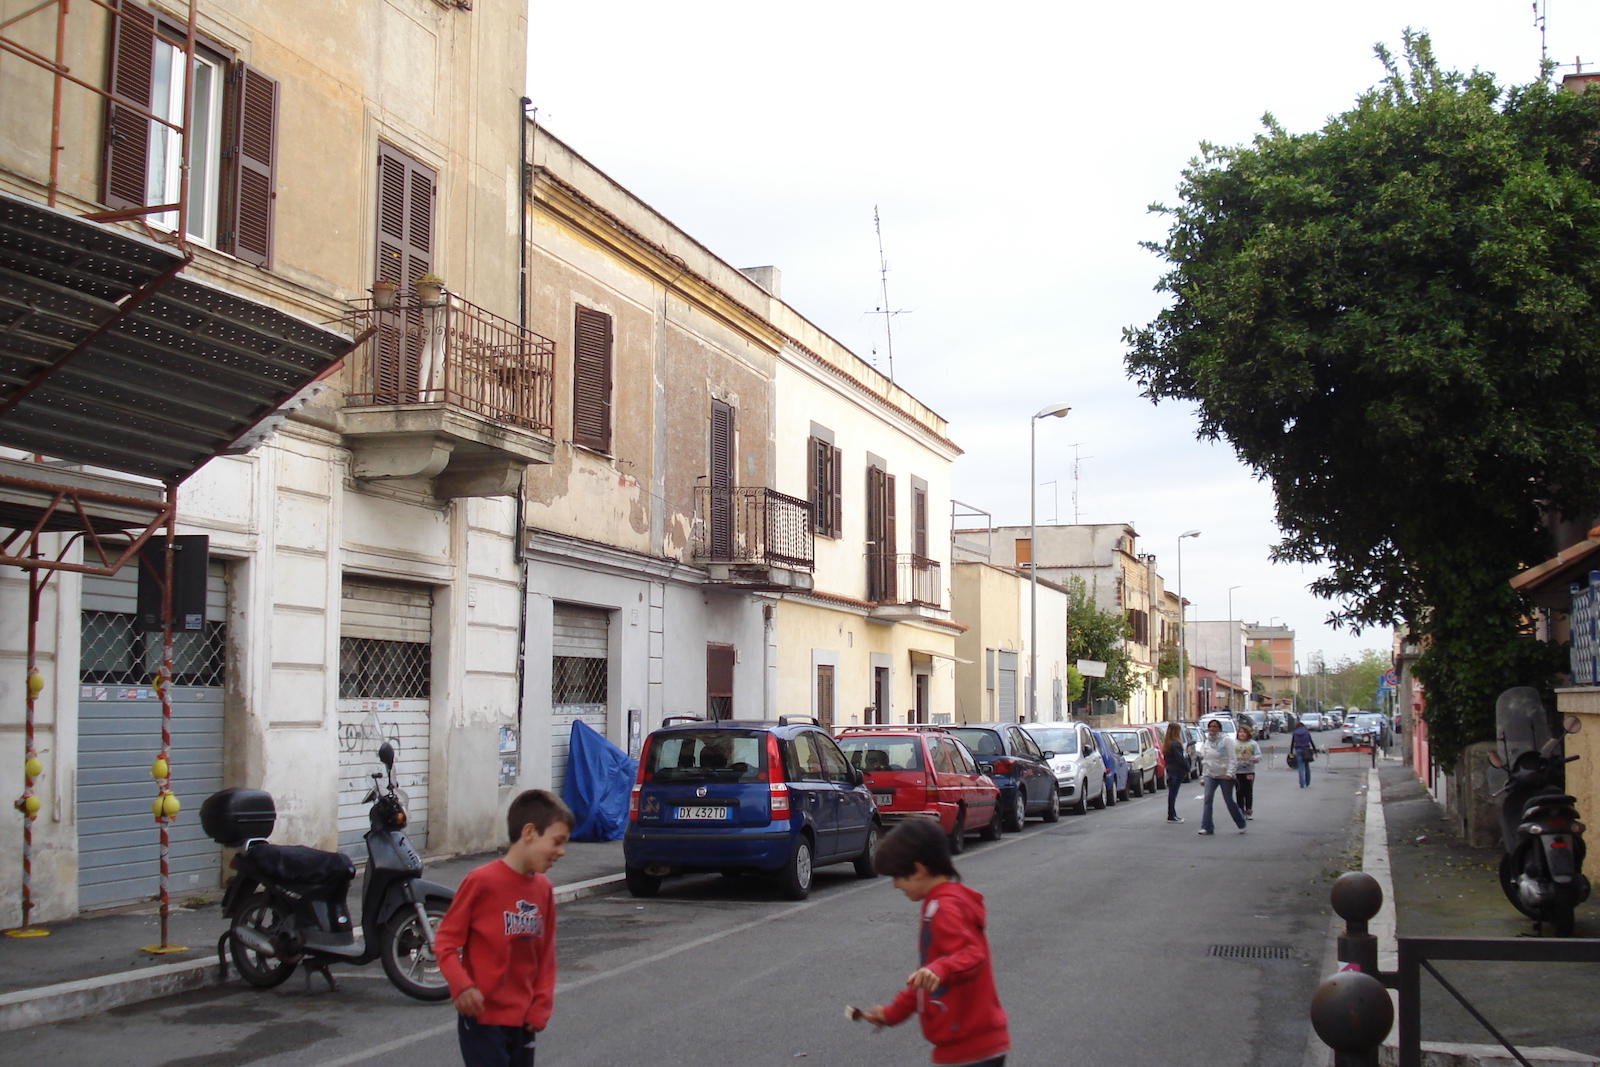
(577, 680)
(387, 670)
(1252, 952)
(114, 653)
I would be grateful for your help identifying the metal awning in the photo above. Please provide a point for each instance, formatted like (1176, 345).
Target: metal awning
(109, 358)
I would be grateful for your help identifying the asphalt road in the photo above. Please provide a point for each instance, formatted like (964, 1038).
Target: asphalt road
(1102, 928)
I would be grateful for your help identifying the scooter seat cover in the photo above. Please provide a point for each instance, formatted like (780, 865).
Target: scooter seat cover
(301, 865)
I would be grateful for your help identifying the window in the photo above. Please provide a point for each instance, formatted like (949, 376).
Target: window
(825, 694)
(941, 756)
(807, 762)
(833, 761)
(404, 253)
(591, 380)
(719, 681)
(1024, 550)
(919, 518)
(826, 477)
(232, 136)
(881, 539)
(883, 753)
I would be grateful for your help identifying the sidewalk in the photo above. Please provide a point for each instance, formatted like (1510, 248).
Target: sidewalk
(1445, 888)
(93, 963)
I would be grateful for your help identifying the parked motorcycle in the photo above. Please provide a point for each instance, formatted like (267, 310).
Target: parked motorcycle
(1541, 867)
(287, 902)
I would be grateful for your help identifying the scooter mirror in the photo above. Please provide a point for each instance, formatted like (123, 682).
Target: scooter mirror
(1572, 724)
(386, 755)
(1496, 761)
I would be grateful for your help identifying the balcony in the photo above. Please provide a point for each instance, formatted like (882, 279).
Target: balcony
(753, 538)
(451, 393)
(905, 587)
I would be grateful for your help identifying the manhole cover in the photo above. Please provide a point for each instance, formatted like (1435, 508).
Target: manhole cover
(1252, 952)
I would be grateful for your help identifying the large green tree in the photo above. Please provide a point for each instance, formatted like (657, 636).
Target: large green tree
(1394, 320)
(1097, 633)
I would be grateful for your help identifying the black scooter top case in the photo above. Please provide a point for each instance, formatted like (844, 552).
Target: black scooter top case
(1520, 723)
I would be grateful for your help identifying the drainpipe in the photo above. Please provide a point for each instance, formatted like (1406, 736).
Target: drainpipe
(768, 709)
(524, 189)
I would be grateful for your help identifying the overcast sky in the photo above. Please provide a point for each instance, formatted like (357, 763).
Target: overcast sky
(1012, 150)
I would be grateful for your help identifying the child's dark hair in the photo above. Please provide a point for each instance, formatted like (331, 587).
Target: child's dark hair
(914, 841)
(539, 807)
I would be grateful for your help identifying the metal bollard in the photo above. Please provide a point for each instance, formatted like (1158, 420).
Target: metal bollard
(1351, 1012)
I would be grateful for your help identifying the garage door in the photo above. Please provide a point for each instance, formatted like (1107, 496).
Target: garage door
(119, 736)
(385, 681)
(579, 679)
(1006, 694)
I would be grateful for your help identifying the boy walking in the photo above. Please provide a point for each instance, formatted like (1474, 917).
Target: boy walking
(496, 945)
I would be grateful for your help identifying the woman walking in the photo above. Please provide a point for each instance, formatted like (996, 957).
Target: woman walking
(1177, 768)
(1246, 754)
(1218, 764)
(1305, 750)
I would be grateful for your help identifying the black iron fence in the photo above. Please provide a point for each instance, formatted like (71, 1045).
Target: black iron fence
(753, 526)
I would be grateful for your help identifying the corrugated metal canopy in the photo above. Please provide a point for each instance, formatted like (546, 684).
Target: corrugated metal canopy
(159, 391)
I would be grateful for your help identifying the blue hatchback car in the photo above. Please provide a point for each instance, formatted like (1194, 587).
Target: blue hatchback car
(1116, 767)
(743, 796)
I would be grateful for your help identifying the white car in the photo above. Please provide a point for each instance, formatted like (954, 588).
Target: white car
(1139, 746)
(1075, 758)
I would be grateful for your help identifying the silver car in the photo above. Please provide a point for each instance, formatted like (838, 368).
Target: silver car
(1079, 769)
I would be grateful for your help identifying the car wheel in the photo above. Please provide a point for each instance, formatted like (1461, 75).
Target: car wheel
(864, 867)
(993, 831)
(1161, 783)
(958, 835)
(1111, 793)
(1136, 785)
(795, 878)
(1019, 811)
(641, 884)
(1052, 808)
(1099, 802)
(1082, 806)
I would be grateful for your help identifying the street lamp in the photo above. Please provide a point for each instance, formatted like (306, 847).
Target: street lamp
(1054, 411)
(1233, 642)
(1183, 635)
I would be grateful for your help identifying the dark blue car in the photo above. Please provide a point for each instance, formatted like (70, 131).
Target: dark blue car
(738, 796)
(1006, 753)
(1116, 767)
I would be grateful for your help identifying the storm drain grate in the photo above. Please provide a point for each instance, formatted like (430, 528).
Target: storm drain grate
(1252, 952)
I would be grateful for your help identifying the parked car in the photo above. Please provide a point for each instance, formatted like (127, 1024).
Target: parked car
(916, 773)
(1260, 723)
(1080, 772)
(1006, 753)
(1311, 720)
(1116, 765)
(1191, 748)
(1140, 750)
(776, 798)
(1364, 724)
(1158, 734)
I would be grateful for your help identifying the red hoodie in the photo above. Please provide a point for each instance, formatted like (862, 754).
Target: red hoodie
(500, 936)
(963, 1017)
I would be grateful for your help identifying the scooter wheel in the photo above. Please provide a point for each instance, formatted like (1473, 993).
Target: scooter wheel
(1508, 886)
(407, 956)
(263, 917)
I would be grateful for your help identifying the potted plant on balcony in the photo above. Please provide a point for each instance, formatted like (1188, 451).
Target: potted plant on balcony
(384, 293)
(429, 289)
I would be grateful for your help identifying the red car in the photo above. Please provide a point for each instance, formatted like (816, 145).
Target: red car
(925, 772)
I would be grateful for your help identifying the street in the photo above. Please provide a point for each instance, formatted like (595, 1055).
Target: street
(1101, 928)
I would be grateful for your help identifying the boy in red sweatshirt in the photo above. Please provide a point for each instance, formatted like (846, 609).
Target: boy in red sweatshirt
(953, 990)
(497, 943)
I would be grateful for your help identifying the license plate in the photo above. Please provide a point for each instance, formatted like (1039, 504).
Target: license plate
(883, 799)
(720, 813)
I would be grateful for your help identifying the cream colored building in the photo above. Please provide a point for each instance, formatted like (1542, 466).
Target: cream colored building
(993, 658)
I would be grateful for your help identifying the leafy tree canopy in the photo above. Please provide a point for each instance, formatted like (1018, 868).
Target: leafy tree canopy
(1097, 633)
(1394, 320)
(1352, 682)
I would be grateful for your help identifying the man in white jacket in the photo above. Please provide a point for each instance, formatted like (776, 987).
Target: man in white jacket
(1217, 765)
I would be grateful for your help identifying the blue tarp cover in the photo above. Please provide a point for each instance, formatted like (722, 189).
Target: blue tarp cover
(599, 778)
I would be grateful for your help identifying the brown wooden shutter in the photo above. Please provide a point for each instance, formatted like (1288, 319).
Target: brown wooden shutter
(889, 540)
(919, 522)
(721, 479)
(249, 184)
(404, 253)
(817, 464)
(591, 380)
(127, 136)
(836, 492)
(880, 536)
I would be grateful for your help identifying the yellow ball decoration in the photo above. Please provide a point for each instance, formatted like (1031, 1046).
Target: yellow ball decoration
(155, 806)
(31, 806)
(35, 683)
(159, 768)
(33, 768)
(169, 805)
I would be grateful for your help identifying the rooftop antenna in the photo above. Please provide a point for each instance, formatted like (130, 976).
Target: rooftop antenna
(883, 278)
(1541, 10)
(1077, 464)
(1055, 492)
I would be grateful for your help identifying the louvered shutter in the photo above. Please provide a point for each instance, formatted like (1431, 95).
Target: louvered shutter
(836, 492)
(405, 253)
(249, 183)
(127, 137)
(721, 480)
(591, 380)
(817, 454)
(919, 522)
(890, 541)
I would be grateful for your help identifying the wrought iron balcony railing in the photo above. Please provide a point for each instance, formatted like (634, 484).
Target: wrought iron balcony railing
(906, 578)
(455, 355)
(753, 527)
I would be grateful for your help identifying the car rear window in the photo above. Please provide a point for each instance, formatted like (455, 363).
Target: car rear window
(1127, 741)
(882, 753)
(981, 742)
(706, 756)
(1059, 739)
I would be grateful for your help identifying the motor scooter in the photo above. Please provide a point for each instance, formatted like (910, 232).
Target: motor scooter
(1541, 864)
(287, 904)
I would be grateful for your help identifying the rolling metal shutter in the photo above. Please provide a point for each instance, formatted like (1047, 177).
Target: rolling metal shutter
(580, 649)
(1007, 690)
(119, 735)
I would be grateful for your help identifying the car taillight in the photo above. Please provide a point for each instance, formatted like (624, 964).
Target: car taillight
(633, 804)
(1004, 766)
(780, 799)
(638, 780)
(777, 788)
(933, 790)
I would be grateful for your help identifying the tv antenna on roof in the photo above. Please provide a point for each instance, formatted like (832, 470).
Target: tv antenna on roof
(1077, 465)
(1541, 10)
(883, 279)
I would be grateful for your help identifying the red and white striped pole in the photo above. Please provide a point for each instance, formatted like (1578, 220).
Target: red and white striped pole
(32, 768)
(165, 807)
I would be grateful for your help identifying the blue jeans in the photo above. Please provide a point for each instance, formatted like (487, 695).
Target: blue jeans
(1303, 765)
(1226, 785)
(485, 1045)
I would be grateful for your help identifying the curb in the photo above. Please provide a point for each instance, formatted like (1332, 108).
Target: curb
(91, 996)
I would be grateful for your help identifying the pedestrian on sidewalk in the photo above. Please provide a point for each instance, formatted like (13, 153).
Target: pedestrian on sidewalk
(1304, 750)
(1218, 764)
(1177, 768)
(952, 989)
(1246, 754)
(496, 945)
